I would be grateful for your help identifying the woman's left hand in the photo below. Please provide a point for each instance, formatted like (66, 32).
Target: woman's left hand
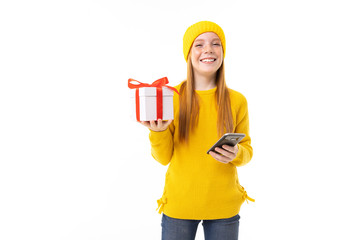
(228, 153)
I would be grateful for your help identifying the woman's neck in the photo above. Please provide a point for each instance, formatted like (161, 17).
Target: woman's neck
(204, 82)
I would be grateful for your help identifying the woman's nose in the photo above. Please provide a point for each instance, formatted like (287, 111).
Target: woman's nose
(208, 48)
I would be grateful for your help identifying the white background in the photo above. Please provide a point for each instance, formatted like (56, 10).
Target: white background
(74, 166)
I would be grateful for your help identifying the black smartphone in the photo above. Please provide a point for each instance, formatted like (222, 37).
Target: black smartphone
(230, 139)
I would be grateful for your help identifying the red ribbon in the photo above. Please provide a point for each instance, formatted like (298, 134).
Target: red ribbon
(159, 100)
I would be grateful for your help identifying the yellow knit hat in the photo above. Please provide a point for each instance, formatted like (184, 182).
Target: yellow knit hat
(198, 28)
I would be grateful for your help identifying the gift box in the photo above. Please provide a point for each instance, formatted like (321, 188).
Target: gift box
(151, 101)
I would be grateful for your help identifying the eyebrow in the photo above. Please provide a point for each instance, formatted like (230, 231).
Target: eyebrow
(200, 39)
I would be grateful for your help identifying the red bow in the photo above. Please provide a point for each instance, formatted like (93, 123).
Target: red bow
(158, 84)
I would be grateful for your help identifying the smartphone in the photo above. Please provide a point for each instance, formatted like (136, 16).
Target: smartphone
(230, 139)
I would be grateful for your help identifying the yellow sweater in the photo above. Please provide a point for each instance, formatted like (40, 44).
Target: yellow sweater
(196, 185)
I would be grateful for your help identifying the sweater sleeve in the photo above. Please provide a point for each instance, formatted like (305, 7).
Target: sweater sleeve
(162, 144)
(245, 152)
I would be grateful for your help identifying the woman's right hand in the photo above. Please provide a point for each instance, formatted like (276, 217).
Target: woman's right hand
(156, 126)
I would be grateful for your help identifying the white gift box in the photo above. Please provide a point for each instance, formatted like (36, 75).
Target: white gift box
(148, 103)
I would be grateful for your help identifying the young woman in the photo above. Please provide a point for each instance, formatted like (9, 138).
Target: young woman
(200, 186)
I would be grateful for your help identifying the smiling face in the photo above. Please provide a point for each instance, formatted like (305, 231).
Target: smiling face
(206, 54)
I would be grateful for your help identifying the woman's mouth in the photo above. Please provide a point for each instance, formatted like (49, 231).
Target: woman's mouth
(208, 60)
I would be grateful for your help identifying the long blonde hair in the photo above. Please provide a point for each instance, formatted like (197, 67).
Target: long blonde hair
(189, 104)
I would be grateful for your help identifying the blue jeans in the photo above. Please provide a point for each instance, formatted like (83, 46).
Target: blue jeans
(218, 229)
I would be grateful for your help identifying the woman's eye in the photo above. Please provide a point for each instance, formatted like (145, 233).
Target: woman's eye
(217, 44)
(198, 45)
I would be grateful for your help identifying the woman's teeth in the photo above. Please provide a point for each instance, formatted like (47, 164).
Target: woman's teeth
(207, 60)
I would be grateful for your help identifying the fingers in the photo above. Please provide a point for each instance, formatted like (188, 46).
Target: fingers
(145, 123)
(153, 124)
(158, 125)
(163, 125)
(225, 153)
(233, 149)
(224, 156)
(167, 123)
